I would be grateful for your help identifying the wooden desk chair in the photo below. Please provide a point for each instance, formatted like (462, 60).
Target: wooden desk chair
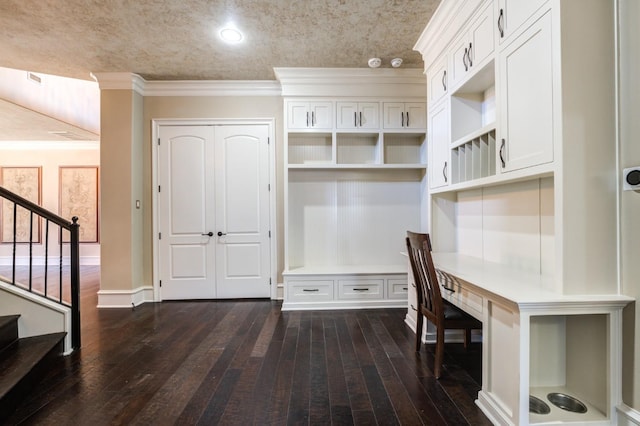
(441, 313)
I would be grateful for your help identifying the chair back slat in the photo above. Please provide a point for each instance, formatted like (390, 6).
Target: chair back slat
(424, 273)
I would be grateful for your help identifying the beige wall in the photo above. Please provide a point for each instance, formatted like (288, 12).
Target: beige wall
(206, 107)
(117, 173)
(630, 201)
(38, 155)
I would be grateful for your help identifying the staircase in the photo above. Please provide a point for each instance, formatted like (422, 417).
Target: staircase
(23, 362)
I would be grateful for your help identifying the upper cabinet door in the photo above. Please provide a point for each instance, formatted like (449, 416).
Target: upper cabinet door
(437, 81)
(309, 115)
(512, 14)
(393, 115)
(438, 137)
(475, 45)
(404, 115)
(298, 115)
(526, 96)
(321, 115)
(415, 115)
(358, 115)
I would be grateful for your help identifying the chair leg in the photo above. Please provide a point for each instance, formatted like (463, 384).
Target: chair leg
(418, 331)
(439, 351)
(467, 338)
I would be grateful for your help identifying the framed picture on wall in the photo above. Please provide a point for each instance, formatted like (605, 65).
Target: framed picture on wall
(26, 182)
(79, 197)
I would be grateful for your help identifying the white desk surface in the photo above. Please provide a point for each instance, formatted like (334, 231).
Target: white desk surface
(520, 287)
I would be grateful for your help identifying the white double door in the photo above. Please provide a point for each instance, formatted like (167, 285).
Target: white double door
(213, 211)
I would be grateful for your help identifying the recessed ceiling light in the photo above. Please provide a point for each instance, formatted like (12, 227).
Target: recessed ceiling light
(231, 34)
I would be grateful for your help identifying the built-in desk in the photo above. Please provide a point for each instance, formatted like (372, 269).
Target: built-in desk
(536, 341)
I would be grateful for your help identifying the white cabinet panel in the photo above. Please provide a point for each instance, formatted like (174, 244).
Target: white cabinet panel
(526, 68)
(439, 167)
(358, 115)
(437, 81)
(472, 49)
(512, 14)
(309, 115)
(310, 290)
(360, 289)
(397, 289)
(404, 115)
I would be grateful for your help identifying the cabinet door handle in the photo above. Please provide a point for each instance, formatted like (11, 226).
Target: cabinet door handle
(502, 153)
(413, 307)
(307, 118)
(444, 80)
(464, 59)
(360, 114)
(501, 23)
(313, 118)
(449, 289)
(469, 55)
(355, 119)
(444, 172)
(401, 119)
(407, 118)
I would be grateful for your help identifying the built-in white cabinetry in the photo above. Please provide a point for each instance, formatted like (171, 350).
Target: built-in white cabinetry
(404, 115)
(438, 132)
(437, 80)
(512, 15)
(358, 115)
(310, 115)
(527, 115)
(474, 46)
(353, 191)
(522, 170)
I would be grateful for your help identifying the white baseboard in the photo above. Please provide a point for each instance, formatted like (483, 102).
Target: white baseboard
(628, 416)
(53, 260)
(125, 298)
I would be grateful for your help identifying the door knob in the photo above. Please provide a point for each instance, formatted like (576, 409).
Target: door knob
(210, 234)
(220, 233)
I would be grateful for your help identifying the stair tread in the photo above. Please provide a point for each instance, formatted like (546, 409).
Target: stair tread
(21, 357)
(8, 319)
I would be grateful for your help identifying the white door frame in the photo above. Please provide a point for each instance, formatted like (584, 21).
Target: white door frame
(155, 132)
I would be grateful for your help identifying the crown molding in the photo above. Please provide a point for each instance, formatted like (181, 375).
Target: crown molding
(130, 81)
(363, 82)
(447, 20)
(212, 88)
(119, 81)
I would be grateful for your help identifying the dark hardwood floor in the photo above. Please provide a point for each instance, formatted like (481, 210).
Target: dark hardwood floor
(246, 362)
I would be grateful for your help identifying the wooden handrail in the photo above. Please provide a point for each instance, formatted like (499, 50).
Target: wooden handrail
(23, 202)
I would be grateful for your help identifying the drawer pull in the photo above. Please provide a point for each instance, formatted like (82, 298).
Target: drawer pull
(449, 289)
(405, 288)
(412, 307)
(361, 289)
(310, 289)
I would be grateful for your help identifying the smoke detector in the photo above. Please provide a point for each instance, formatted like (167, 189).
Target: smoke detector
(375, 62)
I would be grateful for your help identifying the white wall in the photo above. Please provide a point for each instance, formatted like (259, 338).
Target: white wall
(629, 15)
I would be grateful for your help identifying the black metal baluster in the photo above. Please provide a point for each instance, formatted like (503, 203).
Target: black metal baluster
(46, 256)
(15, 233)
(60, 267)
(31, 251)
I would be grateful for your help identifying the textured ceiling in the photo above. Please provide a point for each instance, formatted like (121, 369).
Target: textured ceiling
(177, 39)
(22, 124)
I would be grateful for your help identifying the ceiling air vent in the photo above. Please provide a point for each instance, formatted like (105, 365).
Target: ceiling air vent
(34, 78)
(69, 135)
